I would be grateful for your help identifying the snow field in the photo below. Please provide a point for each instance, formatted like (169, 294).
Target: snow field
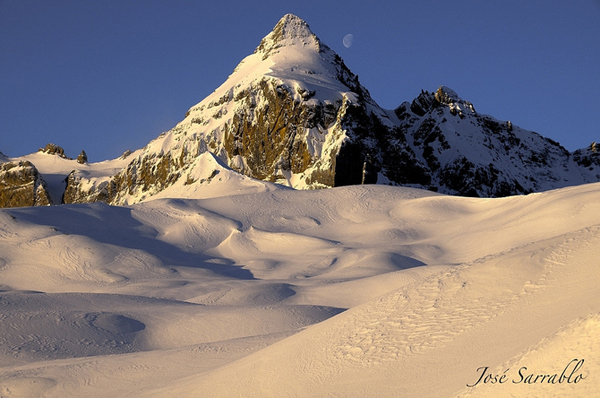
(353, 291)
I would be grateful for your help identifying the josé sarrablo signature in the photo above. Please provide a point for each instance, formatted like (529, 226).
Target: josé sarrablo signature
(570, 374)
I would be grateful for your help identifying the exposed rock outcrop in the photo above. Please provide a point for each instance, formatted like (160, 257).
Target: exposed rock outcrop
(82, 158)
(21, 185)
(53, 149)
(589, 157)
(79, 189)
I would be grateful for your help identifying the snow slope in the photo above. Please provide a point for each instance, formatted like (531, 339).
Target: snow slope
(354, 291)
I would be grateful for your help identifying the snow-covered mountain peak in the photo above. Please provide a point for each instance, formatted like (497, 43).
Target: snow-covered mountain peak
(426, 101)
(289, 31)
(446, 95)
(281, 116)
(290, 57)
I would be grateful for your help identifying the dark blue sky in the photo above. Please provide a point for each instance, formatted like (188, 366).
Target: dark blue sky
(111, 75)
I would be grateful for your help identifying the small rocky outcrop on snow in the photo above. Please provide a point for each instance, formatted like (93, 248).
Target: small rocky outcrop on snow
(53, 149)
(82, 189)
(22, 185)
(82, 158)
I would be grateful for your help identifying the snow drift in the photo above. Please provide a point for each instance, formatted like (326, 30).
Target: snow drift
(353, 291)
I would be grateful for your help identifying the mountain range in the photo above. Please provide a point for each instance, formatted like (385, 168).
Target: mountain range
(292, 113)
(222, 270)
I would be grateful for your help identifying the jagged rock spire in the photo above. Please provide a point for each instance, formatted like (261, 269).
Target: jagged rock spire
(291, 26)
(82, 158)
(290, 30)
(446, 95)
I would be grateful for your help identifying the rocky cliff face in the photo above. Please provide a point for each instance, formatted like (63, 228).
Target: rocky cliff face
(294, 114)
(53, 149)
(467, 153)
(588, 158)
(291, 112)
(21, 185)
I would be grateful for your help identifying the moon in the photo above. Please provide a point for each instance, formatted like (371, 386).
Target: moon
(348, 40)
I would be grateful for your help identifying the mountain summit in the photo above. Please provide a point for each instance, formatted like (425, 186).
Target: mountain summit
(293, 113)
(290, 113)
(289, 31)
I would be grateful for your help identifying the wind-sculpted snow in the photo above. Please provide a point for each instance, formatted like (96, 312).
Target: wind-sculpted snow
(352, 291)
